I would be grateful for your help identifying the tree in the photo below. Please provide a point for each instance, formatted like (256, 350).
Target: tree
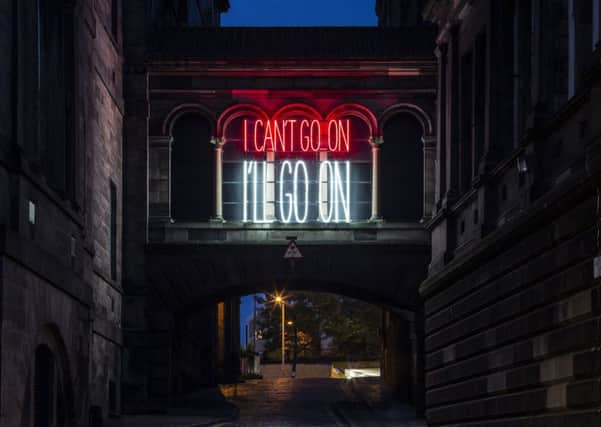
(351, 326)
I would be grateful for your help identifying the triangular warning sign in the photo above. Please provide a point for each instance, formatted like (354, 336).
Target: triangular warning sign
(292, 251)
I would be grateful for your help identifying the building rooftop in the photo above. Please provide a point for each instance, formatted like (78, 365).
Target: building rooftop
(289, 43)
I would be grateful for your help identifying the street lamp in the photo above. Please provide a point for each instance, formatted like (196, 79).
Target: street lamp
(294, 348)
(280, 300)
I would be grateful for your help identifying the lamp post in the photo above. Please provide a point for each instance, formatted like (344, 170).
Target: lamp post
(280, 300)
(294, 348)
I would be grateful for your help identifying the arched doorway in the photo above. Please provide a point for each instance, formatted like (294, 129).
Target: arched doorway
(52, 395)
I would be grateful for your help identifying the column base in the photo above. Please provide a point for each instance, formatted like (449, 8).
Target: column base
(216, 220)
(376, 219)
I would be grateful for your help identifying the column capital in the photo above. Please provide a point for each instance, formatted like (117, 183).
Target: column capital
(375, 142)
(429, 141)
(441, 50)
(217, 141)
(160, 141)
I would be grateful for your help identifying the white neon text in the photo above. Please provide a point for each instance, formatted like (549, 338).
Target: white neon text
(333, 192)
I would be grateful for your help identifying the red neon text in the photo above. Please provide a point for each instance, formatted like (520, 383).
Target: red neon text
(297, 135)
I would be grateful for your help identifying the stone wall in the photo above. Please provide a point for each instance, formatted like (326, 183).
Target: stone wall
(513, 331)
(512, 304)
(60, 286)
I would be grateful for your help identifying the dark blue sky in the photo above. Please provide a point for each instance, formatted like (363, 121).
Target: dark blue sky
(303, 13)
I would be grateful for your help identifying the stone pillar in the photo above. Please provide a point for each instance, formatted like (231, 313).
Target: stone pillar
(324, 203)
(498, 132)
(397, 355)
(375, 174)
(441, 54)
(429, 176)
(270, 214)
(159, 177)
(452, 119)
(218, 213)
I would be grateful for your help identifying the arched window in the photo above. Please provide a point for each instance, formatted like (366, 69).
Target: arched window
(192, 174)
(402, 170)
(55, 87)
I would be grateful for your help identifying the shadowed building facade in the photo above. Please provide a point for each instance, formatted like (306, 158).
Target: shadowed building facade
(61, 116)
(512, 299)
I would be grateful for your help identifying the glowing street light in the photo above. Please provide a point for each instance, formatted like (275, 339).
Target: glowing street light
(280, 300)
(295, 347)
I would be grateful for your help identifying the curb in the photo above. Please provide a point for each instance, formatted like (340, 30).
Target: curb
(225, 420)
(341, 416)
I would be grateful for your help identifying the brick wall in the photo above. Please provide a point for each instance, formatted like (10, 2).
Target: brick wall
(514, 333)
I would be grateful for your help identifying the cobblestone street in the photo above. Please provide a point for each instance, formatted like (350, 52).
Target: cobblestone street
(286, 402)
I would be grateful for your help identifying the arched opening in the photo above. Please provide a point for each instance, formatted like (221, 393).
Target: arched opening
(44, 393)
(50, 405)
(192, 169)
(327, 335)
(402, 169)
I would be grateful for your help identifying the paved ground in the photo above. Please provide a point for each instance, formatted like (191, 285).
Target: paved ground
(205, 407)
(286, 402)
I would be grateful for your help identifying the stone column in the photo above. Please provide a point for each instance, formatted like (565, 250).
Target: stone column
(159, 177)
(452, 119)
(218, 214)
(498, 108)
(375, 174)
(441, 54)
(270, 214)
(429, 176)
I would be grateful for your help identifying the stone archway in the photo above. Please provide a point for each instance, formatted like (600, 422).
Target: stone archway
(53, 401)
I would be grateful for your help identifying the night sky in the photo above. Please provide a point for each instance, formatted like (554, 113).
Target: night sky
(302, 13)
(287, 13)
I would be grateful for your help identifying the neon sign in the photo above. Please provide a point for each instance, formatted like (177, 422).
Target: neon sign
(296, 168)
(297, 135)
(333, 195)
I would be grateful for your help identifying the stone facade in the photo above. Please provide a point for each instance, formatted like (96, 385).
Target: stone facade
(60, 212)
(512, 299)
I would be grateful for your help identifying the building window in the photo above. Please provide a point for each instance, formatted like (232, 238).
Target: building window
(479, 97)
(467, 158)
(113, 231)
(402, 172)
(55, 81)
(522, 66)
(115, 19)
(571, 49)
(596, 23)
(192, 173)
